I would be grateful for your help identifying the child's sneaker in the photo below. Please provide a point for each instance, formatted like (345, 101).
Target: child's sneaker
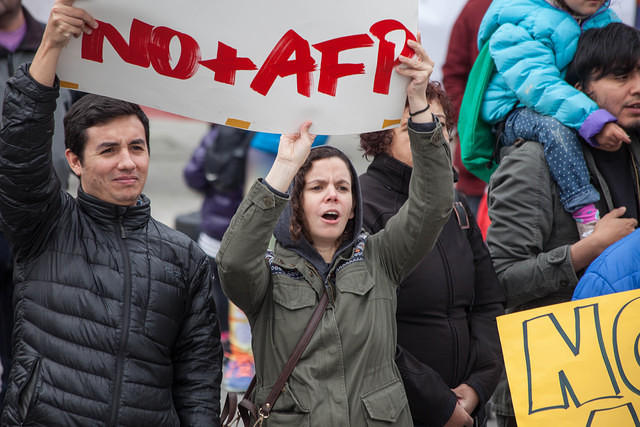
(586, 218)
(585, 228)
(238, 375)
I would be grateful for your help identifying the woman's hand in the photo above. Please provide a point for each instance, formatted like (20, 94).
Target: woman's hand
(418, 68)
(64, 22)
(293, 150)
(459, 418)
(467, 397)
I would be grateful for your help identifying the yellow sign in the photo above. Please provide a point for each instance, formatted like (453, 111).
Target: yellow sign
(576, 363)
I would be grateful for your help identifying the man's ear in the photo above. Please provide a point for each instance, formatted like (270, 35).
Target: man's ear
(578, 86)
(74, 162)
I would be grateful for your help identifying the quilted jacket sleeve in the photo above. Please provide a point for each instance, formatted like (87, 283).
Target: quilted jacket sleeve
(198, 355)
(30, 194)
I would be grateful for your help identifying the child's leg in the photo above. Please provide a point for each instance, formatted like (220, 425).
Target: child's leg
(563, 152)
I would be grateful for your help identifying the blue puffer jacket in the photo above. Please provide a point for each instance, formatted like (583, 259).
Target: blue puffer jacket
(532, 43)
(615, 270)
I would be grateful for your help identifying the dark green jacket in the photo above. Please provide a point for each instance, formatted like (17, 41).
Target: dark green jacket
(347, 375)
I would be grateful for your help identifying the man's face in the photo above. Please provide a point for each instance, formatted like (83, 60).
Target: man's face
(620, 95)
(115, 161)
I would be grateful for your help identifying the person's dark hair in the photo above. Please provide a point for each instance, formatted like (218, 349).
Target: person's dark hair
(374, 143)
(610, 50)
(296, 227)
(92, 110)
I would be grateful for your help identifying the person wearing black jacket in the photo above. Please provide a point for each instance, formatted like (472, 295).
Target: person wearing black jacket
(448, 348)
(114, 315)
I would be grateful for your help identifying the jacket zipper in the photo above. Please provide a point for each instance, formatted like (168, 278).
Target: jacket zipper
(454, 332)
(634, 166)
(124, 338)
(330, 290)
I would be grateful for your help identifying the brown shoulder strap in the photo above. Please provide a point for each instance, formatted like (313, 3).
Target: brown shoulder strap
(247, 408)
(266, 407)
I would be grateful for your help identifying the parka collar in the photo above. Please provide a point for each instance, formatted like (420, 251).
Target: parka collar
(303, 248)
(130, 217)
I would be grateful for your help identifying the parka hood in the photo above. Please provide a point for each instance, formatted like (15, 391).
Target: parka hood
(302, 246)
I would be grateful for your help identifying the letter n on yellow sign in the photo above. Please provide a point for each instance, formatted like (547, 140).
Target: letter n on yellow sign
(576, 363)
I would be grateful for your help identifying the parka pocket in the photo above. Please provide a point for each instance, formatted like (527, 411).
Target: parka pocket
(30, 390)
(293, 294)
(287, 419)
(385, 404)
(354, 279)
(288, 410)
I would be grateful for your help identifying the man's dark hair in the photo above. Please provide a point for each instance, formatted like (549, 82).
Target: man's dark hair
(611, 50)
(92, 110)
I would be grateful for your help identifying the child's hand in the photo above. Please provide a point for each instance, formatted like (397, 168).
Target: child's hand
(611, 137)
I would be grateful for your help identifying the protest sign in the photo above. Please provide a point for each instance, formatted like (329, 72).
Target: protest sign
(259, 65)
(576, 363)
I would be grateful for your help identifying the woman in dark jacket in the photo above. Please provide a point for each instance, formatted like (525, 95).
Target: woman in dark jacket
(449, 352)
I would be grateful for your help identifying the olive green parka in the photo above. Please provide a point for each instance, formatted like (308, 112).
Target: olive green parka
(347, 374)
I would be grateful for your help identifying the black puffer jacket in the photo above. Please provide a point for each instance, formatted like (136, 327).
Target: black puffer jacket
(446, 307)
(114, 316)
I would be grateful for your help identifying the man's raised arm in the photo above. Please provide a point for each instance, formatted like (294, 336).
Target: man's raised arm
(65, 22)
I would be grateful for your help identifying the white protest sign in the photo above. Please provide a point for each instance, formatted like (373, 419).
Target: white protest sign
(259, 65)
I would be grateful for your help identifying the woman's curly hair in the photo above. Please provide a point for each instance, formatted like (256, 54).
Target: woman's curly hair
(374, 143)
(297, 225)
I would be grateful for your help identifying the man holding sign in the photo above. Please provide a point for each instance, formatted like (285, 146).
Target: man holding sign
(114, 315)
